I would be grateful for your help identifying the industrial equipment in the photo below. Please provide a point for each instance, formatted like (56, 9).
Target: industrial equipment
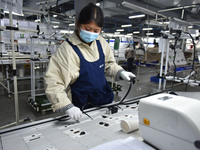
(170, 122)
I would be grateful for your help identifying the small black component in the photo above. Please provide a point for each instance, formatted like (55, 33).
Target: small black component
(106, 124)
(133, 80)
(14, 72)
(101, 123)
(197, 144)
(82, 133)
(104, 116)
(113, 109)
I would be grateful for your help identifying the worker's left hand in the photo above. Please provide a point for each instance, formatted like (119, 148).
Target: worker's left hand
(127, 75)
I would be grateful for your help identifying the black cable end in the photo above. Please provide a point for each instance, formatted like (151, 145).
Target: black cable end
(133, 80)
(113, 109)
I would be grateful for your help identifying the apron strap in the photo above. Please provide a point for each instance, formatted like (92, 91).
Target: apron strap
(76, 49)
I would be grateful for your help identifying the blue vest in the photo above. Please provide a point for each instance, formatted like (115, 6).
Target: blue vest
(91, 88)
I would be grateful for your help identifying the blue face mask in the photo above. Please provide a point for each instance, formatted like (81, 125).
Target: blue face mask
(88, 36)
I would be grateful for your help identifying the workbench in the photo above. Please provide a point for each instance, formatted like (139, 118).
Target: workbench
(62, 133)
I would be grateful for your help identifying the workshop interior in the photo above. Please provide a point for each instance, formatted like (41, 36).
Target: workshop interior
(157, 109)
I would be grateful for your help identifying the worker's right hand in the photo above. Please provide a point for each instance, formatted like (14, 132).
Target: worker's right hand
(74, 113)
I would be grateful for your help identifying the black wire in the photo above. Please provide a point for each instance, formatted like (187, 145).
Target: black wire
(174, 48)
(130, 86)
(193, 62)
(85, 112)
(132, 81)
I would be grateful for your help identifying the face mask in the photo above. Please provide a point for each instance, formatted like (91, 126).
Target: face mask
(88, 36)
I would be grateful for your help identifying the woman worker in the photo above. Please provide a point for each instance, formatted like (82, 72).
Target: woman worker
(75, 77)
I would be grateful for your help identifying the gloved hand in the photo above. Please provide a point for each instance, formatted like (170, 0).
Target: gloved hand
(127, 75)
(74, 113)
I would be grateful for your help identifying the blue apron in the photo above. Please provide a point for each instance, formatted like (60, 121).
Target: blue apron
(91, 88)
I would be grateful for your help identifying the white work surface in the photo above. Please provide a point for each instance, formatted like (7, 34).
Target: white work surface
(65, 134)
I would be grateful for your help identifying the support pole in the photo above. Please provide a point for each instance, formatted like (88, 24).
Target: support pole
(14, 70)
(166, 63)
(162, 50)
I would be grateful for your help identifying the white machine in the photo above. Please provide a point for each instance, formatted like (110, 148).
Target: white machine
(170, 122)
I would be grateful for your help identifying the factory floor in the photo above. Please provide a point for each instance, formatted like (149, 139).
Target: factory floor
(143, 86)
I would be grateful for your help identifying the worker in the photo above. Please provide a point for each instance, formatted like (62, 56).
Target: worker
(129, 55)
(75, 78)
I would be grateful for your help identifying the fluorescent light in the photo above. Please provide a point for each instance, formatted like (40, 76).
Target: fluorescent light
(136, 32)
(66, 31)
(37, 20)
(7, 12)
(97, 4)
(55, 22)
(127, 36)
(149, 33)
(120, 30)
(166, 22)
(147, 29)
(55, 15)
(117, 33)
(126, 25)
(136, 16)
(72, 24)
(55, 26)
(130, 34)
(109, 34)
(190, 27)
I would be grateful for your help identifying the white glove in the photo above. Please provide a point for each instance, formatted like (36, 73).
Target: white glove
(74, 113)
(127, 75)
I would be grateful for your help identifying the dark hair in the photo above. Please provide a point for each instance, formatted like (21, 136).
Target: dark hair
(91, 13)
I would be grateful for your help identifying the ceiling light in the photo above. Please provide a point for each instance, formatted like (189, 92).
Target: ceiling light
(7, 12)
(120, 30)
(117, 33)
(55, 26)
(37, 20)
(147, 29)
(126, 25)
(190, 27)
(55, 15)
(130, 34)
(109, 34)
(149, 34)
(136, 32)
(136, 16)
(165, 22)
(97, 4)
(55, 22)
(127, 36)
(72, 24)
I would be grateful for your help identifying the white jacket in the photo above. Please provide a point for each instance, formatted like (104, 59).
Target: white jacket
(64, 66)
